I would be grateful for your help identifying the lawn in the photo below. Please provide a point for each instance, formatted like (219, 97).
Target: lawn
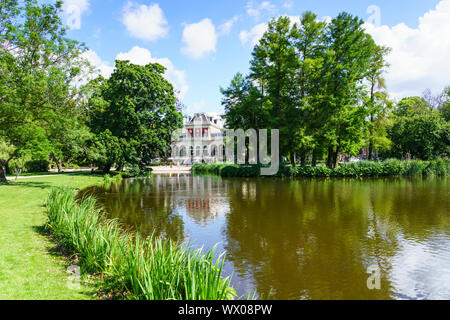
(28, 267)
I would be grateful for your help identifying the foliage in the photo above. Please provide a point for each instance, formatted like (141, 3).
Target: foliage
(149, 268)
(308, 81)
(390, 167)
(38, 66)
(133, 115)
(37, 166)
(419, 130)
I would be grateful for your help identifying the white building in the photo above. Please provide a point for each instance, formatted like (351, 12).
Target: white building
(200, 141)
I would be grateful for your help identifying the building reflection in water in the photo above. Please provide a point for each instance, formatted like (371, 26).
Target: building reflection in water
(303, 239)
(158, 205)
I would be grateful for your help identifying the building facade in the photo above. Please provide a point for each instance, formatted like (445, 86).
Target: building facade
(200, 141)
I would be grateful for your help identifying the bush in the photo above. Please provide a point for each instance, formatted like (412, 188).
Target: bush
(37, 166)
(390, 167)
(150, 268)
(136, 171)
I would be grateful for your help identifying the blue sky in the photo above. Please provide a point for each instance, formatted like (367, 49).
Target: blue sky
(204, 43)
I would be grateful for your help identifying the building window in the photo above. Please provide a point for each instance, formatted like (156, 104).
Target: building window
(205, 151)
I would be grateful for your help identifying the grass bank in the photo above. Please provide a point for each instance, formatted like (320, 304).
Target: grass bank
(130, 266)
(390, 167)
(30, 267)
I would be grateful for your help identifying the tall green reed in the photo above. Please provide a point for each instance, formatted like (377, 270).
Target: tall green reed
(143, 268)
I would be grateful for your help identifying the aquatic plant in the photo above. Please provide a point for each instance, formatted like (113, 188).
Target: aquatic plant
(140, 268)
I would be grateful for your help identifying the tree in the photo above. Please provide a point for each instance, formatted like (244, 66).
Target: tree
(308, 40)
(244, 105)
(444, 108)
(347, 60)
(419, 130)
(33, 48)
(133, 114)
(273, 64)
(377, 100)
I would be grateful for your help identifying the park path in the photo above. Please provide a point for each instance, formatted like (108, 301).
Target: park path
(157, 170)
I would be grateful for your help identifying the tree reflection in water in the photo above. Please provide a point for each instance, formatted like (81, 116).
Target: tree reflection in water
(303, 239)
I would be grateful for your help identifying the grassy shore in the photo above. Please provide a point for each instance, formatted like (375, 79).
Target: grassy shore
(129, 266)
(29, 267)
(390, 167)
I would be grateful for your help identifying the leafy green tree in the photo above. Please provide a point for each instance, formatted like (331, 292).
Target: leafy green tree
(444, 108)
(347, 60)
(308, 40)
(244, 105)
(33, 49)
(419, 130)
(273, 64)
(377, 101)
(133, 114)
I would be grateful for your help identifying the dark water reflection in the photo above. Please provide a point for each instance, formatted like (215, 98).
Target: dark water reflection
(303, 239)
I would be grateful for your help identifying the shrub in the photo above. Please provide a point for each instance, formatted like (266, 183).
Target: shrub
(37, 166)
(137, 171)
(390, 167)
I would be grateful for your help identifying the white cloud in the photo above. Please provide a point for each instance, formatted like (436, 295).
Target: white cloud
(103, 66)
(72, 10)
(288, 4)
(224, 29)
(142, 56)
(145, 22)
(254, 34)
(256, 10)
(420, 57)
(196, 107)
(200, 39)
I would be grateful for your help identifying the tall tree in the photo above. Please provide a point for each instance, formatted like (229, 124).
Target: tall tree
(309, 44)
(273, 64)
(347, 59)
(33, 48)
(135, 111)
(418, 130)
(244, 105)
(376, 103)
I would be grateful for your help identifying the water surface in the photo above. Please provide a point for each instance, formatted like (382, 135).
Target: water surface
(303, 239)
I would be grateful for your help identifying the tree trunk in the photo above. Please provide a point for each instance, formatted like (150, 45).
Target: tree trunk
(330, 157)
(314, 158)
(371, 144)
(292, 159)
(58, 164)
(370, 155)
(335, 158)
(3, 172)
(106, 168)
(303, 159)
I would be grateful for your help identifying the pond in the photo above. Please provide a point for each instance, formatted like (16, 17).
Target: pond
(303, 239)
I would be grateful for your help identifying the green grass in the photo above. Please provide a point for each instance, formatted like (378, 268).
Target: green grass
(131, 266)
(29, 269)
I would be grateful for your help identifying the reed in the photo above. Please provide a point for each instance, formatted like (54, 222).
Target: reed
(141, 268)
